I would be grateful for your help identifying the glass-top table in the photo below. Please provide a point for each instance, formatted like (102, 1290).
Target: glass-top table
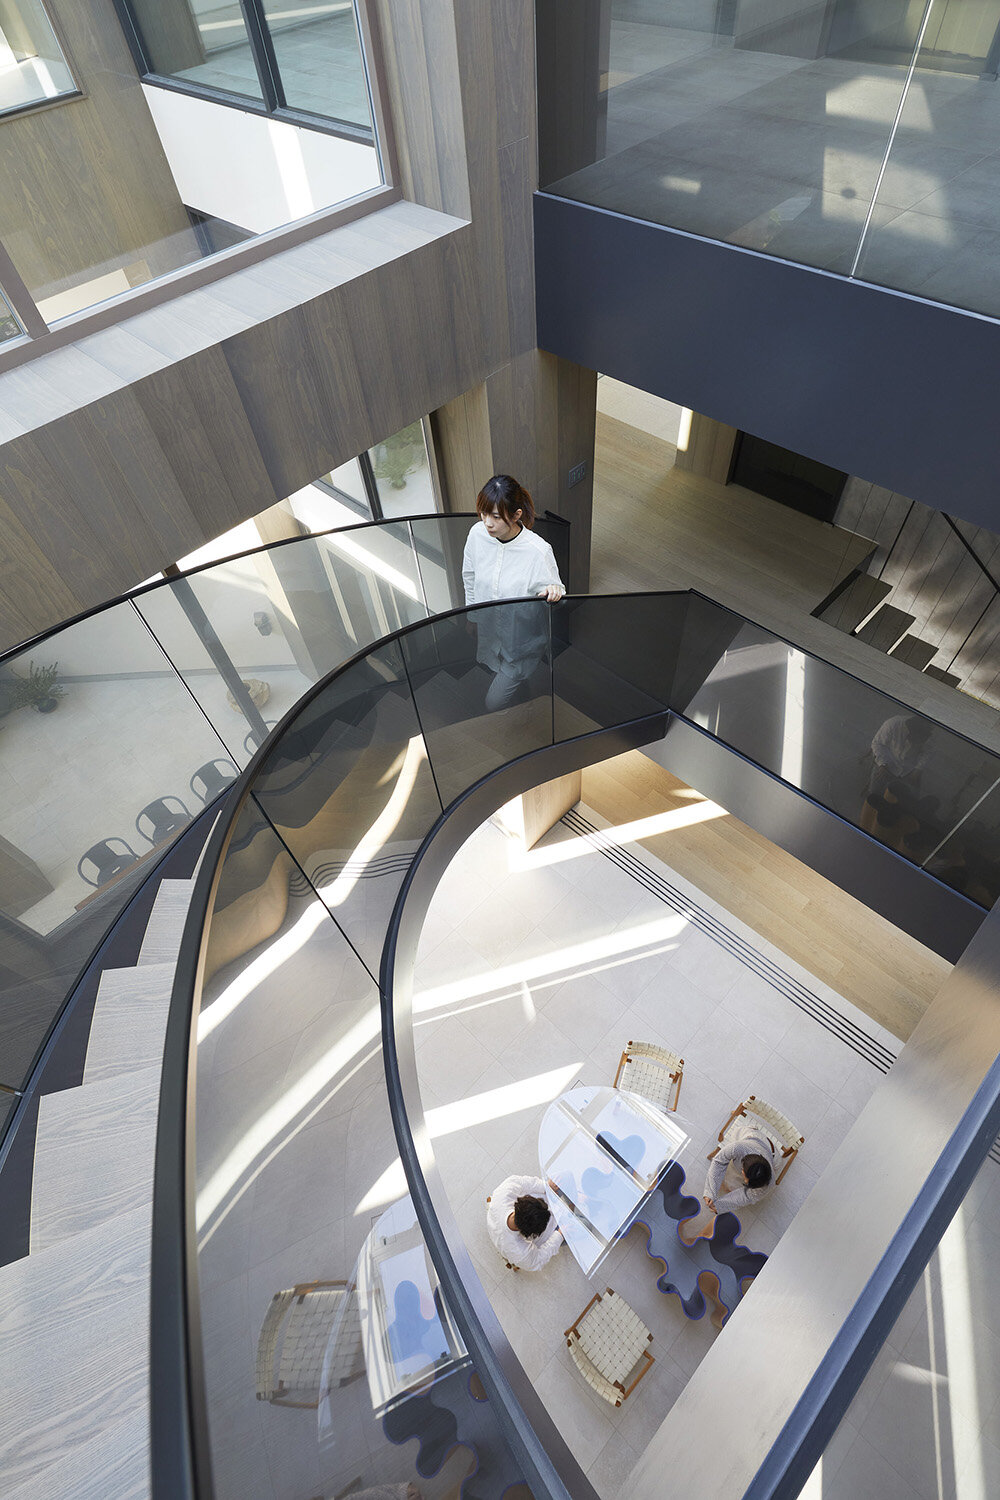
(602, 1151)
(407, 1333)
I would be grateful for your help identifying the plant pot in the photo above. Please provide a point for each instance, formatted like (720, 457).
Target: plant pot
(258, 689)
(46, 705)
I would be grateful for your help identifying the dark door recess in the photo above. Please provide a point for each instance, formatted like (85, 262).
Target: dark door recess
(800, 482)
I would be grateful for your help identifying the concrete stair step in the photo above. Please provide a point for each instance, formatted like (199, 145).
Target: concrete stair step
(886, 627)
(914, 651)
(74, 1329)
(861, 598)
(114, 1465)
(94, 1151)
(166, 922)
(130, 1019)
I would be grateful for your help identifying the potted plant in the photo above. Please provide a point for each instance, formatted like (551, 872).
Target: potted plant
(399, 455)
(38, 690)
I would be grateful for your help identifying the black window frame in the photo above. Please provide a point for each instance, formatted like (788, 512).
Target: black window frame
(273, 105)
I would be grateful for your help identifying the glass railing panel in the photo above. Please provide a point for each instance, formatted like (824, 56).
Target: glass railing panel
(923, 1422)
(280, 619)
(968, 856)
(100, 759)
(614, 659)
(482, 683)
(439, 544)
(936, 225)
(332, 1363)
(350, 791)
(766, 131)
(388, 590)
(917, 787)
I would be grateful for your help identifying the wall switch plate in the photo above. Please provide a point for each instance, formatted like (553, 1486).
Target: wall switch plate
(577, 473)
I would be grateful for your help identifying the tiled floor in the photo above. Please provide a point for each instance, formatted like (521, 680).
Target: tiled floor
(532, 974)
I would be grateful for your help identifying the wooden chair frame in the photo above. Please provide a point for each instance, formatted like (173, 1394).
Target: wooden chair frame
(788, 1153)
(646, 1360)
(677, 1074)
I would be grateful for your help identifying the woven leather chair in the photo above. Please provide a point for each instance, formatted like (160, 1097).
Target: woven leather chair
(654, 1072)
(608, 1343)
(774, 1124)
(293, 1342)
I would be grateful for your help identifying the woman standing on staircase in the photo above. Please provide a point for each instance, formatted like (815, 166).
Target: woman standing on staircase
(504, 559)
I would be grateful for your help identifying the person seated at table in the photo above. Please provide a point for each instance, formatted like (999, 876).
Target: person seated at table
(521, 1224)
(744, 1167)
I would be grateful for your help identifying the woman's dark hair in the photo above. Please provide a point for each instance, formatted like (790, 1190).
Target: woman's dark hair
(507, 497)
(530, 1216)
(756, 1171)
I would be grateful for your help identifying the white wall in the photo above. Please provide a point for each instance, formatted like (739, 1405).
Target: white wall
(251, 171)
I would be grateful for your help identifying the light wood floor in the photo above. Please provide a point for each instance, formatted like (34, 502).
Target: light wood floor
(658, 527)
(859, 954)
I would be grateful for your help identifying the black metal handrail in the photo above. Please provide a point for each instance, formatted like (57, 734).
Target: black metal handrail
(218, 562)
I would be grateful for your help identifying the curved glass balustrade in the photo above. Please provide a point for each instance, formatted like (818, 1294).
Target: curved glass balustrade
(119, 727)
(300, 1193)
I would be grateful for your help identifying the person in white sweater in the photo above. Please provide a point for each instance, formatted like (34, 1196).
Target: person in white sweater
(504, 559)
(521, 1224)
(744, 1166)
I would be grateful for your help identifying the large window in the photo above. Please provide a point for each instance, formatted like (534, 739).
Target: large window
(33, 69)
(239, 119)
(280, 57)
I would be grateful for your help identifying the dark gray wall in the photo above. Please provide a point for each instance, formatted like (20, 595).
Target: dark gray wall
(874, 382)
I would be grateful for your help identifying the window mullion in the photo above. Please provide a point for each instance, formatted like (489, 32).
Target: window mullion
(19, 299)
(371, 485)
(265, 59)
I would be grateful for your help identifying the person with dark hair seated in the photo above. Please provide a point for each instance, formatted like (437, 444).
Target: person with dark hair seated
(521, 1224)
(743, 1167)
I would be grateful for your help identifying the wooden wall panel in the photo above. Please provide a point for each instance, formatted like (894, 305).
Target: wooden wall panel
(461, 432)
(422, 73)
(84, 184)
